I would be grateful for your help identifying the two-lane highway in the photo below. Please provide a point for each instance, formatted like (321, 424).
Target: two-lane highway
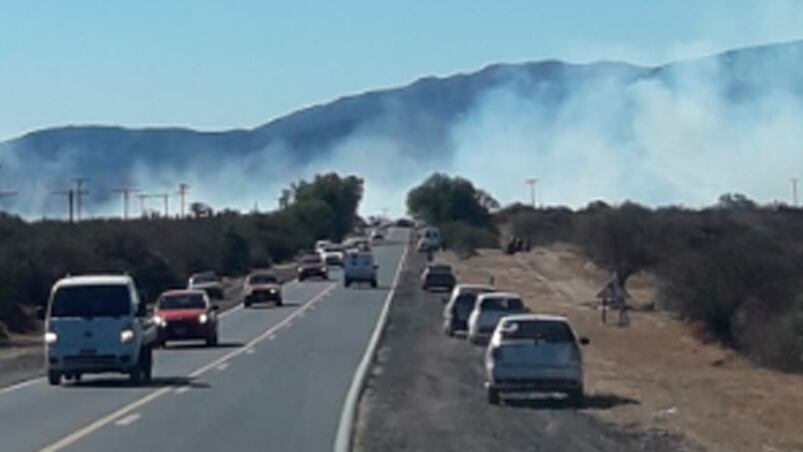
(278, 381)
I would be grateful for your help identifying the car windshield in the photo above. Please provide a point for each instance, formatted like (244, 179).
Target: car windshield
(547, 331)
(262, 279)
(502, 304)
(91, 301)
(440, 268)
(182, 301)
(311, 259)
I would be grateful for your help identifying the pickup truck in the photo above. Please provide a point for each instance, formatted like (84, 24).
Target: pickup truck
(98, 324)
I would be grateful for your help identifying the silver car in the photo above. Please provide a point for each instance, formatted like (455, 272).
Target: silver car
(488, 309)
(534, 353)
(459, 306)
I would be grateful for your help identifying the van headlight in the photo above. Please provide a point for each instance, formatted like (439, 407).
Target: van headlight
(126, 335)
(51, 337)
(203, 318)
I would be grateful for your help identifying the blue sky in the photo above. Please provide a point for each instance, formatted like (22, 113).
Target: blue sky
(216, 65)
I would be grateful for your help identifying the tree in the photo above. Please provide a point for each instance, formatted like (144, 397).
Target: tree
(442, 199)
(341, 194)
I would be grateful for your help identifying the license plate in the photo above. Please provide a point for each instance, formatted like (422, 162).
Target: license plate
(180, 330)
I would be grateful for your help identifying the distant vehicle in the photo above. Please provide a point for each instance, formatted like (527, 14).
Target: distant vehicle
(359, 266)
(438, 276)
(534, 353)
(459, 306)
(321, 244)
(377, 234)
(311, 266)
(430, 239)
(332, 255)
(186, 314)
(357, 244)
(261, 287)
(98, 324)
(208, 282)
(488, 309)
(405, 223)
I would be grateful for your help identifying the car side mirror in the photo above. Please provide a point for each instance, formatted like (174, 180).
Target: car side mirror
(584, 341)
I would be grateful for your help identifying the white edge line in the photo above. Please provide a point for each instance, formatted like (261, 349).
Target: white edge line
(105, 420)
(21, 385)
(349, 412)
(128, 420)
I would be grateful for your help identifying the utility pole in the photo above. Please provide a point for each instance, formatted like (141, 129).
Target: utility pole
(166, 198)
(531, 182)
(182, 193)
(126, 192)
(794, 191)
(79, 193)
(70, 194)
(142, 199)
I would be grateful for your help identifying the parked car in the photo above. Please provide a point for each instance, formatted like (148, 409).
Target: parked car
(488, 309)
(311, 266)
(534, 353)
(186, 314)
(437, 276)
(98, 324)
(359, 266)
(332, 255)
(208, 282)
(377, 234)
(459, 306)
(261, 286)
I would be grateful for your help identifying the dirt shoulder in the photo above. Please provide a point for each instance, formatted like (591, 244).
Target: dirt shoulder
(426, 393)
(702, 391)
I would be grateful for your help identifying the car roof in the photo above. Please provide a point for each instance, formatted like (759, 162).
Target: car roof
(95, 280)
(536, 317)
(462, 287)
(498, 295)
(175, 292)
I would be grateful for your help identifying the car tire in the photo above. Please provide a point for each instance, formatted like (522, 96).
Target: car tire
(346, 283)
(147, 365)
(576, 397)
(54, 378)
(279, 302)
(493, 395)
(212, 340)
(373, 283)
(247, 304)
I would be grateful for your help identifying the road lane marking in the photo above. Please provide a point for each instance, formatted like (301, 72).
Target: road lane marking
(20, 385)
(182, 389)
(130, 419)
(223, 366)
(109, 418)
(250, 351)
(271, 337)
(349, 411)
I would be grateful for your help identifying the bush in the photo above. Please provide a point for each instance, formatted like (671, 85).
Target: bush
(464, 239)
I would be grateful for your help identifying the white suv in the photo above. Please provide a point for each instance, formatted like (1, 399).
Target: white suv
(534, 353)
(98, 324)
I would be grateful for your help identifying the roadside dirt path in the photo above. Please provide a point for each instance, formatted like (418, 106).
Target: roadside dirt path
(426, 394)
(702, 391)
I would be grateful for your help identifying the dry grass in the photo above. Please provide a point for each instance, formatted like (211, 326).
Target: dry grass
(704, 391)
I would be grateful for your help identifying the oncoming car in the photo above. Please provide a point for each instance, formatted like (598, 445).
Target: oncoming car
(186, 314)
(534, 353)
(261, 287)
(311, 265)
(97, 324)
(208, 282)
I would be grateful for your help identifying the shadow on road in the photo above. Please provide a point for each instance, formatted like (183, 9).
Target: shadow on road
(156, 382)
(590, 402)
(272, 305)
(201, 346)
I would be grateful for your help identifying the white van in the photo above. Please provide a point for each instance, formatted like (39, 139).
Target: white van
(359, 266)
(430, 239)
(97, 324)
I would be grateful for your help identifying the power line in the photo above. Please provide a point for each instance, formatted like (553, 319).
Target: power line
(531, 182)
(79, 193)
(126, 192)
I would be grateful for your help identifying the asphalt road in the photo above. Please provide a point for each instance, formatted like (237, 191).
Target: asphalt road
(277, 381)
(426, 393)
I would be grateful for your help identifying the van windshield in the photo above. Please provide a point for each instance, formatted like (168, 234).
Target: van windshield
(91, 301)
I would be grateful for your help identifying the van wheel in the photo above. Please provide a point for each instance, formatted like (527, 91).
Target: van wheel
(493, 396)
(54, 378)
(279, 302)
(346, 283)
(576, 397)
(247, 304)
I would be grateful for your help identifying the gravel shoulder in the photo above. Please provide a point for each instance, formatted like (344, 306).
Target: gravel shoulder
(426, 393)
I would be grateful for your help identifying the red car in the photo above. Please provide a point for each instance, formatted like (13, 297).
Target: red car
(186, 314)
(261, 286)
